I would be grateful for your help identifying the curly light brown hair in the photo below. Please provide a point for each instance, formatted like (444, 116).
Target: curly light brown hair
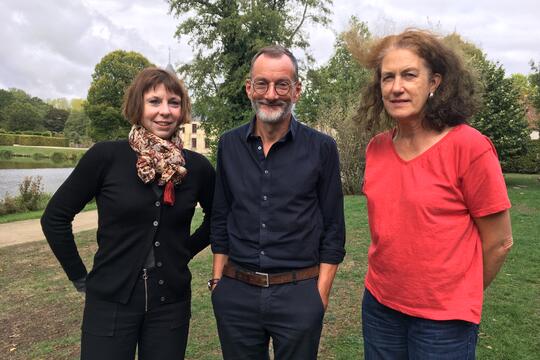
(456, 99)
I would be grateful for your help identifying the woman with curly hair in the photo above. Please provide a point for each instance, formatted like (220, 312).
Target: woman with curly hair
(437, 204)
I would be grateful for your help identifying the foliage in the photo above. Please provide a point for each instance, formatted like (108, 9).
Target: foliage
(22, 116)
(32, 140)
(112, 75)
(331, 99)
(502, 117)
(528, 163)
(59, 103)
(534, 80)
(31, 197)
(55, 119)
(338, 82)
(225, 35)
(77, 127)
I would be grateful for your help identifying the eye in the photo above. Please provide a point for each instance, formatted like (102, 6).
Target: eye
(154, 101)
(283, 85)
(174, 103)
(387, 77)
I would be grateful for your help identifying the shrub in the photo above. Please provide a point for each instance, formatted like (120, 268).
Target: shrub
(9, 205)
(528, 163)
(38, 156)
(31, 192)
(58, 157)
(6, 154)
(7, 139)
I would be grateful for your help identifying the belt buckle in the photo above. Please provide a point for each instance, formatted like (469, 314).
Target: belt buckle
(266, 278)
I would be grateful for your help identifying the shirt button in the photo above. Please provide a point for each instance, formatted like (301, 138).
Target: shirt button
(155, 223)
(157, 203)
(162, 298)
(161, 282)
(266, 172)
(262, 252)
(157, 243)
(259, 148)
(263, 225)
(159, 264)
(265, 197)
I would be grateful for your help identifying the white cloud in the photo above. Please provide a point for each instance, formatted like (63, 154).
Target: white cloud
(50, 48)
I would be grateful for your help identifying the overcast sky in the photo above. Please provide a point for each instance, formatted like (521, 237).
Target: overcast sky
(50, 48)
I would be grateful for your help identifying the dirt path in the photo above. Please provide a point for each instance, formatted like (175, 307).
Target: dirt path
(19, 232)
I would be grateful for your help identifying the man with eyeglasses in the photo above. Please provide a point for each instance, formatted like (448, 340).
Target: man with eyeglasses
(278, 230)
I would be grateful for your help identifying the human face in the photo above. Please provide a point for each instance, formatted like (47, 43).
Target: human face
(161, 115)
(406, 83)
(271, 107)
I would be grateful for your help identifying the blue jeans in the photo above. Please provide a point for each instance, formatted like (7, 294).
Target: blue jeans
(390, 334)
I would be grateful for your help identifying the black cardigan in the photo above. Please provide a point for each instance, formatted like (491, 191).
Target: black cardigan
(131, 219)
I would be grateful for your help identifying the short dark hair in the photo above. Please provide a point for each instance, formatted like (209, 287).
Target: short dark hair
(150, 78)
(275, 51)
(455, 100)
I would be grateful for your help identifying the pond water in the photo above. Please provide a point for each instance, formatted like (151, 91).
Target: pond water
(51, 179)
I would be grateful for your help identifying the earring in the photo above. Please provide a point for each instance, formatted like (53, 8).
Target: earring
(430, 95)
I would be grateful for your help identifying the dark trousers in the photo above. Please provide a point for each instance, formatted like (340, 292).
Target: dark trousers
(248, 316)
(390, 334)
(112, 331)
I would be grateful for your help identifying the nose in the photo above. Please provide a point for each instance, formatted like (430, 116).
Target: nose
(164, 108)
(397, 85)
(271, 93)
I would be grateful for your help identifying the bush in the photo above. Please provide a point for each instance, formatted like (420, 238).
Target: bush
(31, 192)
(9, 205)
(528, 163)
(58, 157)
(8, 139)
(6, 154)
(38, 156)
(33, 140)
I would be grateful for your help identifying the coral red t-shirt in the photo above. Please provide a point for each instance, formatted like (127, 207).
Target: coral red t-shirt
(425, 257)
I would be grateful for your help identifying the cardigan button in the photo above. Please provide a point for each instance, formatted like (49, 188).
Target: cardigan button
(155, 223)
(157, 203)
(161, 282)
(159, 264)
(162, 298)
(157, 243)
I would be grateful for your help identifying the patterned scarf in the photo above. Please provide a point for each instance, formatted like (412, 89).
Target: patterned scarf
(159, 159)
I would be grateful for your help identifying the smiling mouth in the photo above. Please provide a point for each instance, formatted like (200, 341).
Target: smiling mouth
(162, 123)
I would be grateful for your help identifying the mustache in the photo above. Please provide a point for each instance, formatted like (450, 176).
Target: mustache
(271, 103)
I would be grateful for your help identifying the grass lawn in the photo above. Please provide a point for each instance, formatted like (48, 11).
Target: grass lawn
(41, 312)
(35, 214)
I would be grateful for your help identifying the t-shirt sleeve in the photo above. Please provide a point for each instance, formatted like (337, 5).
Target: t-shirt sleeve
(483, 185)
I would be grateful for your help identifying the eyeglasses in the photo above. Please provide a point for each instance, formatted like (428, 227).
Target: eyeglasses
(281, 87)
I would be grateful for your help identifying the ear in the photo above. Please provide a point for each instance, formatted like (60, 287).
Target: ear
(248, 88)
(297, 91)
(435, 81)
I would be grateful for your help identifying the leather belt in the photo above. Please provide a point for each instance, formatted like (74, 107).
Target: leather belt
(266, 279)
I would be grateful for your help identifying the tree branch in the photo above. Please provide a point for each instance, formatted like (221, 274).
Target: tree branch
(299, 25)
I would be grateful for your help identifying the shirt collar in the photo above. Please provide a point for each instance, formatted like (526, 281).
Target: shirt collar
(291, 133)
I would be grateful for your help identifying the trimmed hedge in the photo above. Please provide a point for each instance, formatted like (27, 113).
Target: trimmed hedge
(33, 140)
(528, 163)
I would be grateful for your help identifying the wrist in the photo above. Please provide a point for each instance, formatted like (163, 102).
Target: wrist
(212, 283)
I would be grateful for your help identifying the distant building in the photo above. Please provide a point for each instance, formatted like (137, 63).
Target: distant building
(194, 137)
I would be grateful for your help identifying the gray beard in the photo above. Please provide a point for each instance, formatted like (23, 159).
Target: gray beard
(275, 116)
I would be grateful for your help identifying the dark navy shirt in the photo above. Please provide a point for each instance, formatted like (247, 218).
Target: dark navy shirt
(283, 211)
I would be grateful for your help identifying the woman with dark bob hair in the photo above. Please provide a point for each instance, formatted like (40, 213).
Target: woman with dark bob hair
(146, 189)
(437, 204)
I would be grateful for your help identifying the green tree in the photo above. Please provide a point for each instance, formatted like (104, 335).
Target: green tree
(22, 116)
(77, 127)
(225, 35)
(112, 75)
(55, 119)
(59, 103)
(339, 81)
(534, 81)
(502, 117)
